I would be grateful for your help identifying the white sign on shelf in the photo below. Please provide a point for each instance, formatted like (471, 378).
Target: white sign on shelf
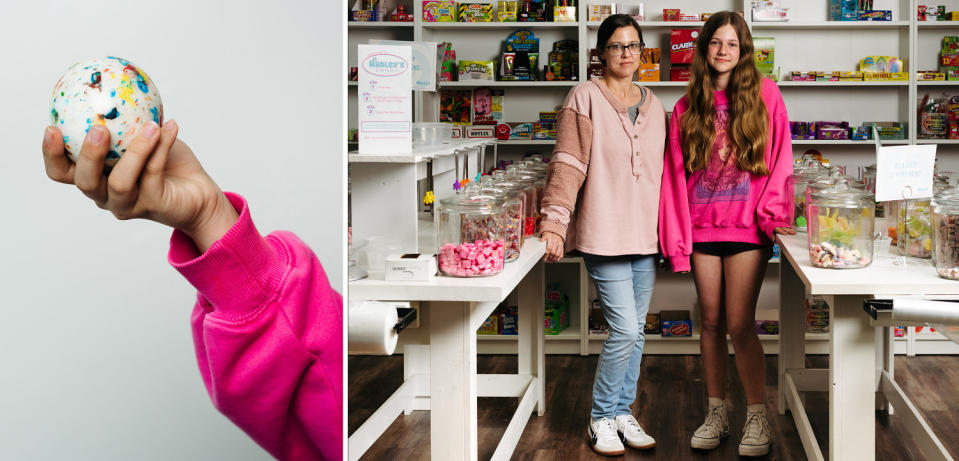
(385, 99)
(424, 62)
(904, 171)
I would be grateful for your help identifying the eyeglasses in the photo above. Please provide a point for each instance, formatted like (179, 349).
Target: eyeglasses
(619, 48)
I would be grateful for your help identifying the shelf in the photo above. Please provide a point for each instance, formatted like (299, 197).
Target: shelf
(656, 24)
(663, 83)
(569, 334)
(527, 142)
(830, 25)
(938, 24)
(854, 84)
(937, 141)
(378, 25)
(419, 154)
(843, 142)
(500, 25)
(938, 83)
(499, 83)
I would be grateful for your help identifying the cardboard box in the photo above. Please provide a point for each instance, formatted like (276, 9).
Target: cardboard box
(597, 322)
(439, 11)
(418, 267)
(475, 12)
(652, 327)
(480, 131)
(680, 74)
(671, 14)
(508, 320)
(675, 323)
(490, 326)
(520, 130)
(682, 45)
(556, 317)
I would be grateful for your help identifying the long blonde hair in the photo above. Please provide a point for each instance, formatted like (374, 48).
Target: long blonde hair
(748, 117)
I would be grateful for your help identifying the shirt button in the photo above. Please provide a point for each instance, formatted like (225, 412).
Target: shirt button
(637, 154)
(635, 136)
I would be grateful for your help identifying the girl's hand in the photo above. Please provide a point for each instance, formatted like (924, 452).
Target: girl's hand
(554, 247)
(158, 178)
(785, 231)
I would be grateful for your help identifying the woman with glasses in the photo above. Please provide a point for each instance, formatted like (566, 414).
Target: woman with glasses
(724, 197)
(601, 200)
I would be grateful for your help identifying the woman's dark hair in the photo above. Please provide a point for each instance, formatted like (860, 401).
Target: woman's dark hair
(609, 26)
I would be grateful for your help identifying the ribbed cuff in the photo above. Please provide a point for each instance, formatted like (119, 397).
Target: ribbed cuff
(237, 273)
(680, 263)
(770, 228)
(554, 227)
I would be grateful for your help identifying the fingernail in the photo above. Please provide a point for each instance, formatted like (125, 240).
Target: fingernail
(95, 136)
(47, 135)
(169, 125)
(150, 130)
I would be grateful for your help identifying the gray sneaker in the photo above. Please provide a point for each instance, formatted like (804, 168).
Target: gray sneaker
(756, 436)
(714, 429)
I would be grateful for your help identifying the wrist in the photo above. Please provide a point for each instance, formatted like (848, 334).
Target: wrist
(215, 218)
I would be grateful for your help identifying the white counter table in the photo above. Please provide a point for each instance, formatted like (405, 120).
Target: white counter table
(440, 364)
(860, 374)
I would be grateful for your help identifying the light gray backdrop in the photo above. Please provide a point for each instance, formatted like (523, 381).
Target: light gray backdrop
(96, 355)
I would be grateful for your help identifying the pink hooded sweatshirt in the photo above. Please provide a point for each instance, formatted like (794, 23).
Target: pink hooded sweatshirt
(723, 203)
(267, 328)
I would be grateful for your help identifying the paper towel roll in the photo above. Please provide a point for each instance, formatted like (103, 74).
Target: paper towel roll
(371, 328)
(922, 310)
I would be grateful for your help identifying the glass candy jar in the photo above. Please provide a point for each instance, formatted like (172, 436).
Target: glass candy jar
(513, 223)
(532, 192)
(811, 171)
(841, 221)
(470, 234)
(945, 222)
(914, 228)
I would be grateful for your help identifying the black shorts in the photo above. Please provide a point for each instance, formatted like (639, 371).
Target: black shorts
(727, 248)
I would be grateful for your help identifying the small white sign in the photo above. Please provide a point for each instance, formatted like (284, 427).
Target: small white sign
(424, 62)
(384, 99)
(904, 172)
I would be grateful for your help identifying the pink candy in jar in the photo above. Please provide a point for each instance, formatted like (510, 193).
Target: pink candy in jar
(480, 258)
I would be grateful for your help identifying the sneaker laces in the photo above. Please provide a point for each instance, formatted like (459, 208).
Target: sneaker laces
(713, 419)
(632, 423)
(754, 426)
(610, 429)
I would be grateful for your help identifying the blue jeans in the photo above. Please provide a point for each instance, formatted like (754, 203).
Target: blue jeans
(624, 285)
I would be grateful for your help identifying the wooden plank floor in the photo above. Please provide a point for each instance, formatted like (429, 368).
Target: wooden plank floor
(671, 404)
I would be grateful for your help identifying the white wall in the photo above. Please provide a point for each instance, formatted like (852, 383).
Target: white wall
(96, 355)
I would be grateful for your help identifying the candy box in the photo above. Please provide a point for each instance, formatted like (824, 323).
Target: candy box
(475, 12)
(881, 64)
(875, 15)
(885, 76)
(508, 320)
(564, 14)
(601, 12)
(671, 14)
(827, 76)
(800, 76)
(363, 16)
(548, 116)
(544, 130)
(680, 73)
(557, 311)
(506, 11)
(941, 13)
(832, 130)
(859, 133)
(597, 322)
(648, 73)
(688, 17)
(651, 327)
(439, 11)
(455, 106)
(899, 331)
(765, 50)
(675, 323)
(447, 71)
(888, 131)
(921, 13)
(930, 75)
(801, 130)
(490, 326)
(767, 327)
(480, 131)
(850, 76)
(475, 70)
(520, 130)
(682, 45)
(817, 315)
(487, 106)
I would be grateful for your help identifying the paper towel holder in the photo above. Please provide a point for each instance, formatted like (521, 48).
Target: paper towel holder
(406, 315)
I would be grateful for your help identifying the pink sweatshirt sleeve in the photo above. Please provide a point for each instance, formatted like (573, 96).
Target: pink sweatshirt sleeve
(774, 207)
(267, 329)
(675, 228)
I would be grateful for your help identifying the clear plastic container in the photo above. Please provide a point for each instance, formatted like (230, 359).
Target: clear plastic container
(945, 219)
(431, 134)
(841, 225)
(914, 228)
(533, 194)
(470, 234)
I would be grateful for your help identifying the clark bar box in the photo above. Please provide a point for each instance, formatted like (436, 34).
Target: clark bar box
(416, 267)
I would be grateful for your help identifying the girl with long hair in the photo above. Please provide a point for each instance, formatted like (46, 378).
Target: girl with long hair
(724, 196)
(602, 199)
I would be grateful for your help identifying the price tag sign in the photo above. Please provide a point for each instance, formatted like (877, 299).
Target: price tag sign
(385, 99)
(904, 172)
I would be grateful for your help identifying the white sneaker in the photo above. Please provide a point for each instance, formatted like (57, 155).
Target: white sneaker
(756, 436)
(714, 429)
(604, 438)
(632, 434)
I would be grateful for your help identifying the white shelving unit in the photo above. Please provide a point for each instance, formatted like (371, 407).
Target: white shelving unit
(806, 43)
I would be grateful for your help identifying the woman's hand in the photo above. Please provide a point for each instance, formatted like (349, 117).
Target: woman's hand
(785, 231)
(554, 247)
(158, 178)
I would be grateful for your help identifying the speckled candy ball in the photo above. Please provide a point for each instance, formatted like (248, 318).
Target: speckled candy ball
(104, 91)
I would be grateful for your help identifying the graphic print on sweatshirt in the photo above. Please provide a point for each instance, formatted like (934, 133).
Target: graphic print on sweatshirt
(722, 180)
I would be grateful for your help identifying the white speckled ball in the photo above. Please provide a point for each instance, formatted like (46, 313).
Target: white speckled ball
(105, 91)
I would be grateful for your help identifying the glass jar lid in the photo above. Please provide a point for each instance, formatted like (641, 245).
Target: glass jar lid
(842, 194)
(472, 200)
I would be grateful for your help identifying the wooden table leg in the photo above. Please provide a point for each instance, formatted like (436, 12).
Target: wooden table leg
(453, 416)
(852, 400)
(792, 326)
(532, 299)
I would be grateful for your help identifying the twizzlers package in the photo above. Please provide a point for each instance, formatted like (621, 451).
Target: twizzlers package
(682, 45)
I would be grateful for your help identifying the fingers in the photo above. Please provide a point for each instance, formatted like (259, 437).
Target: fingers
(55, 161)
(157, 163)
(122, 188)
(88, 173)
